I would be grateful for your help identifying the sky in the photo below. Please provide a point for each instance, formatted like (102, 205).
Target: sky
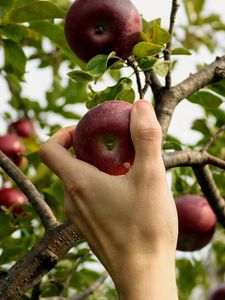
(38, 81)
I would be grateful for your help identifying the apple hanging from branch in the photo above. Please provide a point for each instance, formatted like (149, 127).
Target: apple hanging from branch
(13, 198)
(23, 127)
(197, 222)
(12, 147)
(101, 26)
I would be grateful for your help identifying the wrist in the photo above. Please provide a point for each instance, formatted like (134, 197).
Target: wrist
(147, 277)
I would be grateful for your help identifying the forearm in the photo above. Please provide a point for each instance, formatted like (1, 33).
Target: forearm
(153, 279)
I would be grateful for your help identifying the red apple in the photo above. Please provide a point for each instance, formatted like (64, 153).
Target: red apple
(11, 146)
(101, 26)
(218, 293)
(23, 127)
(102, 137)
(197, 222)
(11, 197)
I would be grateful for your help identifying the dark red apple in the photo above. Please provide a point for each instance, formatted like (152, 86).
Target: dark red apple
(11, 146)
(101, 26)
(218, 293)
(11, 197)
(23, 127)
(197, 222)
(102, 137)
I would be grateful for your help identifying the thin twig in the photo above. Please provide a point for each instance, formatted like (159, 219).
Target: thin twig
(96, 285)
(167, 51)
(151, 80)
(41, 207)
(211, 192)
(133, 65)
(213, 138)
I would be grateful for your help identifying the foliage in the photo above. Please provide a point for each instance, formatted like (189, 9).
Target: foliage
(32, 31)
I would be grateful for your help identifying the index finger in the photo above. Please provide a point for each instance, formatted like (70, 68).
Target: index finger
(54, 153)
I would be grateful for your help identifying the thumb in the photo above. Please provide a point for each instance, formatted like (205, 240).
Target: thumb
(146, 134)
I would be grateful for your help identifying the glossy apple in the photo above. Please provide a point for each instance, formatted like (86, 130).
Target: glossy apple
(101, 26)
(11, 197)
(197, 222)
(23, 127)
(102, 137)
(218, 293)
(11, 146)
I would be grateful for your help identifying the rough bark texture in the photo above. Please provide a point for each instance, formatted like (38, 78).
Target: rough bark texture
(38, 261)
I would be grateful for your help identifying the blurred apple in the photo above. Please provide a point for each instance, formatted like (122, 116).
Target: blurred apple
(102, 137)
(23, 127)
(11, 146)
(197, 222)
(13, 198)
(218, 293)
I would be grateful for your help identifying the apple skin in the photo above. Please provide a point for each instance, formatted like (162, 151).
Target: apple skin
(12, 147)
(12, 197)
(23, 127)
(101, 26)
(102, 137)
(218, 293)
(197, 222)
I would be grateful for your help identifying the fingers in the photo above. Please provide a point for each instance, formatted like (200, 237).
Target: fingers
(54, 153)
(146, 135)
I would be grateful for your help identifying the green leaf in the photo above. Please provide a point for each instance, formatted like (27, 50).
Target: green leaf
(126, 95)
(160, 35)
(15, 59)
(56, 34)
(181, 51)
(205, 99)
(147, 62)
(5, 6)
(143, 49)
(97, 66)
(75, 92)
(33, 158)
(80, 76)
(15, 32)
(161, 67)
(39, 10)
(218, 87)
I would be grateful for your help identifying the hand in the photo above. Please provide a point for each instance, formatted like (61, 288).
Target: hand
(130, 221)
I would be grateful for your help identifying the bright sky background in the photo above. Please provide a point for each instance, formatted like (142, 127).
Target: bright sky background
(38, 81)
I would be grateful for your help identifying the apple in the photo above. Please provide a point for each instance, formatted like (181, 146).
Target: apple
(101, 26)
(218, 293)
(196, 220)
(11, 146)
(102, 137)
(23, 127)
(11, 197)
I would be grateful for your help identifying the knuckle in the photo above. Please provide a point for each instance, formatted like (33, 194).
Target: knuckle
(43, 151)
(150, 134)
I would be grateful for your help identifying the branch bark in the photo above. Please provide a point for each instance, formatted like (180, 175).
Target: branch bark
(38, 261)
(167, 99)
(45, 213)
(211, 192)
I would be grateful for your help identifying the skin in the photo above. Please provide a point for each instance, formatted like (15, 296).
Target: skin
(129, 221)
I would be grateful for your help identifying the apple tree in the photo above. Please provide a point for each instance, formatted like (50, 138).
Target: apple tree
(42, 255)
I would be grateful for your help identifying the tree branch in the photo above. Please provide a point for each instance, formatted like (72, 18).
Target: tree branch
(45, 213)
(38, 261)
(167, 51)
(211, 192)
(167, 99)
(151, 80)
(191, 159)
(213, 138)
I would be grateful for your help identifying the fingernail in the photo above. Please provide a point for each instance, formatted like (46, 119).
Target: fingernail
(142, 105)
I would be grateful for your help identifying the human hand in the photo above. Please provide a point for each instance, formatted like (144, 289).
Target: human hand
(129, 221)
